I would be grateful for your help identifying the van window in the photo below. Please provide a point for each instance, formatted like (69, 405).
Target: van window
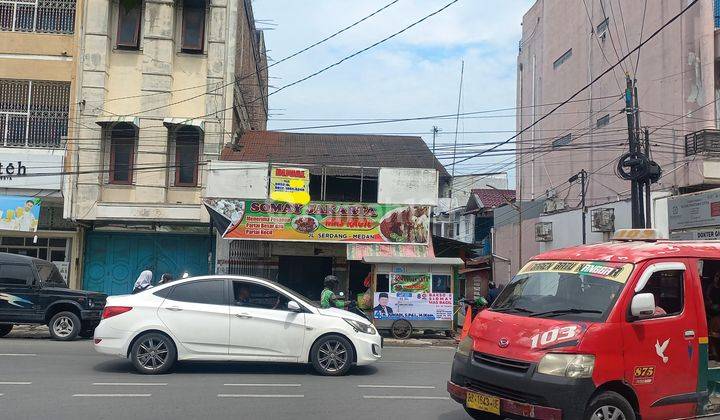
(667, 287)
(15, 275)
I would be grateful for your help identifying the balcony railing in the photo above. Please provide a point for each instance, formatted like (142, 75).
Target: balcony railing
(33, 113)
(44, 16)
(703, 142)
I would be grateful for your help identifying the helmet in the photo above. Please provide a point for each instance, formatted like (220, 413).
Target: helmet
(331, 281)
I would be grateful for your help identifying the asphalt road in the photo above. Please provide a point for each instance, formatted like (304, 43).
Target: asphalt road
(44, 379)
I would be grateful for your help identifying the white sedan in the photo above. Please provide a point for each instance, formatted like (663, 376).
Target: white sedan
(231, 318)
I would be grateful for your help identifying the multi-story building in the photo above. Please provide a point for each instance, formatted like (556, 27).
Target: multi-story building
(163, 85)
(38, 79)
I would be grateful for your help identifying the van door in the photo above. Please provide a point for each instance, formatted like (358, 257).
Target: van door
(661, 351)
(18, 294)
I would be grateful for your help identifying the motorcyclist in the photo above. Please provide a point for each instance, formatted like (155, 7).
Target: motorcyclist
(328, 298)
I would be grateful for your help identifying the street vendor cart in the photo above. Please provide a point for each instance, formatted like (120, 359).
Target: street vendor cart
(412, 293)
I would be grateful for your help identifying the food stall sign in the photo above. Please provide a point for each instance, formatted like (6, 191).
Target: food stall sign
(290, 185)
(410, 297)
(322, 221)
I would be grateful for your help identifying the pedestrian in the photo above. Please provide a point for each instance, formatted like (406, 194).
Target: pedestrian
(493, 293)
(165, 278)
(144, 281)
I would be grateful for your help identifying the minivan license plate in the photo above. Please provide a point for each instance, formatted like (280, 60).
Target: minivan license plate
(483, 402)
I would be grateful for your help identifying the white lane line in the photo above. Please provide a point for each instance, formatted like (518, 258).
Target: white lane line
(18, 354)
(260, 396)
(112, 395)
(402, 397)
(129, 384)
(398, 386)
(15, 383)
(268, 385)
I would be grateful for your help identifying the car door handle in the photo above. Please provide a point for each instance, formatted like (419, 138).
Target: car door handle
(243, 316)
(689, 334)
(174, 309)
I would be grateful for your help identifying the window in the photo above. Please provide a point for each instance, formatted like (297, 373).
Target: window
(43, 16)
(383, 283)
(187, 151)
(563, 58)
(16, 275)
(164, 292)
(358, 187)
(193, 26)
(562, 141)
(253, 295)
(128, 31)
(211, 292)
(122, 153)
(603, 121)
(440, 283)
(667, 287)
(602, 28)
(49, 274)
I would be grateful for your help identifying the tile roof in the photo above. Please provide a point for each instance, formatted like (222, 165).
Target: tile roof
(333, 149)
(489, 198)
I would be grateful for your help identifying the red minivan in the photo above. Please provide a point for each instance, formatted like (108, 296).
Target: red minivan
(610, 331)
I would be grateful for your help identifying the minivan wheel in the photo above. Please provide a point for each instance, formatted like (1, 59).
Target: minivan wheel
(5, 329)
(64, 326)
(153, 353)
(332, 355)
(609, 405)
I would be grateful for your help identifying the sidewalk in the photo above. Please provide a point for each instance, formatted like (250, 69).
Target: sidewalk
(421, 341)
(29, 331)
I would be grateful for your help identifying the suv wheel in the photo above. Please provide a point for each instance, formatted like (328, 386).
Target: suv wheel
(64, 326)
(332, 355)
(5, 329)
(153, 353)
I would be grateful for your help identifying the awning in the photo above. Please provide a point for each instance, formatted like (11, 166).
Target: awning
(109, 120)
(358, 252)
(171, 123)
(413, 260)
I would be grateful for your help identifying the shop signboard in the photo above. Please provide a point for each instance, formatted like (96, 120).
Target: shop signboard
(413, 306)
(290, 185)
(35, 169)
(416, 283)
(694, 210)
(321, 221)
(19, 213)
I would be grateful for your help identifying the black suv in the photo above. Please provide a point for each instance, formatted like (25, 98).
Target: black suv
(32, 291)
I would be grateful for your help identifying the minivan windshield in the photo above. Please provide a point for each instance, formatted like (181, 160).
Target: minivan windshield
(572, 290)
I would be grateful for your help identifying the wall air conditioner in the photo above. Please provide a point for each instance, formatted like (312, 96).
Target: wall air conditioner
(543, 232)
(603, 220)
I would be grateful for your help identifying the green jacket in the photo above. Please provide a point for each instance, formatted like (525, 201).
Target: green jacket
(327, 296)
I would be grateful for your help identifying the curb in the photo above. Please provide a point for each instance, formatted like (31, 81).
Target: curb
(417, 342)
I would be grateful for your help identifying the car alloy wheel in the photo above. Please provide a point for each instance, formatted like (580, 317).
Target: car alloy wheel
(63, 326)
(333, 356)
(152, 353)
(608, 412)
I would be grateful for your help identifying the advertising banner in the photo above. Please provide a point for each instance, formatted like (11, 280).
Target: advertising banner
(695, 210)
(290, 185)
(322, 221)
(414, 283)
(413, 306)
(19, 213)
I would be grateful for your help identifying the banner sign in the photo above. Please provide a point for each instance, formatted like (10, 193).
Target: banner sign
(290, 185)
(31, 169)
(694, 210)
(323, 221)
(619, 272)
(19, 213)
(413, 306)
(414, 283)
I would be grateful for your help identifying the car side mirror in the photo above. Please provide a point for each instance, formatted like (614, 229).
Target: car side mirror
(293, 306)
(643, 305)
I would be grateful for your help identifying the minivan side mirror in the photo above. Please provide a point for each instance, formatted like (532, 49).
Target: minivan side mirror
(643, 305)
(293, 306)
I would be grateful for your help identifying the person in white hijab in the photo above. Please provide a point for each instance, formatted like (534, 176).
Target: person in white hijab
(144, 281)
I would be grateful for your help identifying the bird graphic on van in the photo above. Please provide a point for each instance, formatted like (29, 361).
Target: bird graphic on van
(14, 300)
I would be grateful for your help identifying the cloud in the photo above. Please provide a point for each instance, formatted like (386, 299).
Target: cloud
(415, 74)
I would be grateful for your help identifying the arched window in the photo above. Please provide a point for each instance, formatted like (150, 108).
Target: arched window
(122, 153)
(187, 151)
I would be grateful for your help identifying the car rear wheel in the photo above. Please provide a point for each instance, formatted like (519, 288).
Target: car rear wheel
(64, 326)
(332, 355)
(5, 329)
(153, 353)
(482, 415)
(610, 405)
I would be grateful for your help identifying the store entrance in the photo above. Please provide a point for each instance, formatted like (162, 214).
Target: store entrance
(304, 275)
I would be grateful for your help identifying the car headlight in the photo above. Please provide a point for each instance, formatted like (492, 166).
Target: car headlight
(568, 365)
(465, 346)
(361, 326)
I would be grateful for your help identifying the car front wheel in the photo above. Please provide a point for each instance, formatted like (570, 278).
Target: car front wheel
(332, 355)
(5, 329)
(153, 353)
(610, 405)
(64, 326)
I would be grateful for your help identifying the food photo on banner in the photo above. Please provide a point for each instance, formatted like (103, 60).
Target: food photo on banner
(19, 213)
(411, 298)
(320, 221)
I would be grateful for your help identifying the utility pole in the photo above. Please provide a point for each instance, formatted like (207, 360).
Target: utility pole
(457, 123)
(435, 130)
(635, 193)
(648, 181)
(582, 175)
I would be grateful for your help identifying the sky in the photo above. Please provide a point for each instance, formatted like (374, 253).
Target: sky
(415, 74)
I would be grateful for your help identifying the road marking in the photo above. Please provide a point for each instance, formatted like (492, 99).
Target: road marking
(15, 383)
(267, 385)
(112, 395)
(402, 397)
(129, 384)
(18, 354)
(398, 386)
(260, 396)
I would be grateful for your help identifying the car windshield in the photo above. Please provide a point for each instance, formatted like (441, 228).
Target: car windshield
(573, 290)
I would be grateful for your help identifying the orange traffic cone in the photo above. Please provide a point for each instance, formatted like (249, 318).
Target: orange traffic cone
(466, 324)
